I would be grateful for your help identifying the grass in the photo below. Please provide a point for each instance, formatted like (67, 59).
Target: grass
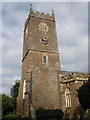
(9, 116)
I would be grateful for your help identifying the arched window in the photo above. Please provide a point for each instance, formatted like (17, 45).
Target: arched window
(68, 98)
(24, 88)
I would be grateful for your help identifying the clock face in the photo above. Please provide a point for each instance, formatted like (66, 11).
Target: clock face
(44, 41)
(43, 27)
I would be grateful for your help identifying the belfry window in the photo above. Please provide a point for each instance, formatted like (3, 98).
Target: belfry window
(24, 88)
(68, 98)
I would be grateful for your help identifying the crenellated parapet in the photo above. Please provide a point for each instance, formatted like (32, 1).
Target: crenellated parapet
(42, 15)
(39, 15)
(66, 77)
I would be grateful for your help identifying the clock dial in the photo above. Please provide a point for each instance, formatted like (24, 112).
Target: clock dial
(44, 41)
(43, 27)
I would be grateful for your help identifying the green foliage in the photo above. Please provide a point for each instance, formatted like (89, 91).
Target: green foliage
(7, 104)
(13, 117)
(9, 116)
(84, 95)
(14, 92)
(42, 114)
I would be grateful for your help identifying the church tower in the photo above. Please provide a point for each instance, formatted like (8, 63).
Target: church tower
(40, 64)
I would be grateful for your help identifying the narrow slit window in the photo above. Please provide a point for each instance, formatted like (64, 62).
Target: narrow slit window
(44, 59)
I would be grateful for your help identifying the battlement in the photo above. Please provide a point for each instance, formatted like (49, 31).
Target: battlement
(39, 15)
(73, 76)
(42, 15)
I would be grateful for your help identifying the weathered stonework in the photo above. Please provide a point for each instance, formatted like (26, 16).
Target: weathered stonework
(45, 84)
(71, 80)
(44, 90)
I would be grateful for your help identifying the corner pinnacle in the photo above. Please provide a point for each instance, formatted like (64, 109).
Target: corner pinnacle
(53, 15)
(31, 7)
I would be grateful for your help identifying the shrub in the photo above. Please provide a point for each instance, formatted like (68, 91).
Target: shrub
(84, 95)
(42, 114)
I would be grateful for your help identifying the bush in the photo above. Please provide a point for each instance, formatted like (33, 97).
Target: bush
(84, 95)
(7, 104)
(42, 114)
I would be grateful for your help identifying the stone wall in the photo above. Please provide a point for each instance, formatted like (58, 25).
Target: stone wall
(71, 80)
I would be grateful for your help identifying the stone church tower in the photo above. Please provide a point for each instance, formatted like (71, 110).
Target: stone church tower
(39, 86)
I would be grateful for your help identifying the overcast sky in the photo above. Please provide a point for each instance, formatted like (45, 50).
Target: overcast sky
(72, 34)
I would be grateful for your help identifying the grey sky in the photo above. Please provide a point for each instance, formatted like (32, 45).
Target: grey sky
(72, 34)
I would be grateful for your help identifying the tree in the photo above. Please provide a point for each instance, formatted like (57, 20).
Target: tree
(14, 91)
(84, 95)
(7, 104)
